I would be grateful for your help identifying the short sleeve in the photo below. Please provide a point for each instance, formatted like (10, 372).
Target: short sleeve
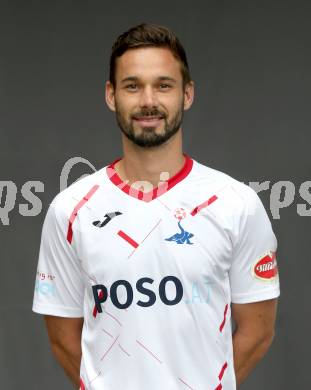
(254, 273)
(59, 287)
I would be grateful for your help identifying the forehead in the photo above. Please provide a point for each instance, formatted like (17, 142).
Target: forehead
(148, 62)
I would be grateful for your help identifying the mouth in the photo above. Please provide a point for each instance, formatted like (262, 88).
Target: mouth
(148, 120)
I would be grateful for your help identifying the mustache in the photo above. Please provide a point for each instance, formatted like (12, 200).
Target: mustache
(146, 113)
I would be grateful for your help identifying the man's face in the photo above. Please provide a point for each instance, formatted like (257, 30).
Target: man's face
(148, 95)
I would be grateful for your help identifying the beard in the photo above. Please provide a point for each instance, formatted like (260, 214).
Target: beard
(149, 136)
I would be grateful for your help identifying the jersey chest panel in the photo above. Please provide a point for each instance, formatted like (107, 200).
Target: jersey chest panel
(150, 240)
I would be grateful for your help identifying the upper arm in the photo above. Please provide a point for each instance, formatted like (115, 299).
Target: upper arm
(253, 272)
(60, 286)
(65, 332)
(256, 318)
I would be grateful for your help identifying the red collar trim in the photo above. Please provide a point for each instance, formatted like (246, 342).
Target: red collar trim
(155, 192)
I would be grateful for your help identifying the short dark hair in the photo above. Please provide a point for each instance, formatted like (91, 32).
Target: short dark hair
(149, 35)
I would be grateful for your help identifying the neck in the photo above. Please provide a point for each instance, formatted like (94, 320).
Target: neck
(150, 164)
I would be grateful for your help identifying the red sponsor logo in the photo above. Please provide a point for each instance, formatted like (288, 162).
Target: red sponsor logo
(266, 267)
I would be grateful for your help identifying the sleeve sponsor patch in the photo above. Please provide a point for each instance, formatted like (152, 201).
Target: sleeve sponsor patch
(266, 267)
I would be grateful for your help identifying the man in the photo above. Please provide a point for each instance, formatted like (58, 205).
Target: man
(146, 260)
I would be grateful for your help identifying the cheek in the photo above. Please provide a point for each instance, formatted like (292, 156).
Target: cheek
(121, 106)
(126, 105)
(174, 105)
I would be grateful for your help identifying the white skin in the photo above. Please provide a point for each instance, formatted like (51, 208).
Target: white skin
(149, 100)
(156, 106)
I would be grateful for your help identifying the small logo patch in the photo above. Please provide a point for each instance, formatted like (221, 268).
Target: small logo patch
(108, 218)
(182, 237)
(266, 267)
(180, 213)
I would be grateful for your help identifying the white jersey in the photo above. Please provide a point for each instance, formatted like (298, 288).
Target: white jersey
(154, 274)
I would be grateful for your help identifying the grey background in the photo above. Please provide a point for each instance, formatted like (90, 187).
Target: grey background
(251, 65)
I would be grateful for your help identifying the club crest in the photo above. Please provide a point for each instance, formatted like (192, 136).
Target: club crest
(181, 237)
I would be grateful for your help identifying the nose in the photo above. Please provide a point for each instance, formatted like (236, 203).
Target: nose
(148, 97)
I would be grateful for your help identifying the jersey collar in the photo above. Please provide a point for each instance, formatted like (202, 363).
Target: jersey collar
(155, 192)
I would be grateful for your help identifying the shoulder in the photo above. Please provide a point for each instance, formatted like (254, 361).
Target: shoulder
(78, 192)
(228, 188)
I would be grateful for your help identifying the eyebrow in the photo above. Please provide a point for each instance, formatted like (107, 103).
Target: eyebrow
(161, 78)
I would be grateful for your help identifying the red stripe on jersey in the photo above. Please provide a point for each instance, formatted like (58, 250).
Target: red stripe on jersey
(77, 208)
(127, 238)
(82, 387)
(155, 192)
(222, 371)
(219, 387)
(204, 204)
(224, 320)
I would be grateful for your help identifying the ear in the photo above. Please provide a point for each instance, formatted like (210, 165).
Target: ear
(188, 95)
(109, 95)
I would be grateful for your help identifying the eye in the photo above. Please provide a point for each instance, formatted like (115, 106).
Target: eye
(165, 86)
(131, 87)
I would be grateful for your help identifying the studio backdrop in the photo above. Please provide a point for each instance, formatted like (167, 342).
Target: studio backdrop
(250, 61)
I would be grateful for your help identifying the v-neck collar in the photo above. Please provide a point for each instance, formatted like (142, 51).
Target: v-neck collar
(162, 188)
